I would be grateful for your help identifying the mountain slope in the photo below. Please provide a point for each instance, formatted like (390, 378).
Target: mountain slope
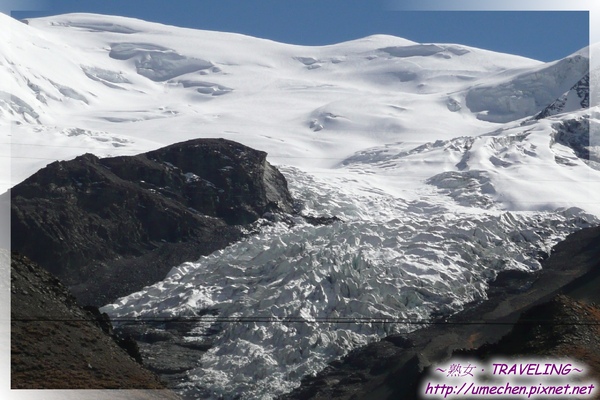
(57, 345)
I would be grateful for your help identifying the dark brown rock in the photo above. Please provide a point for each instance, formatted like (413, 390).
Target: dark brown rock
(108, 227)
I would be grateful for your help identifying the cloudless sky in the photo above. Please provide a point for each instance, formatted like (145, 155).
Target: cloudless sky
(542, 35)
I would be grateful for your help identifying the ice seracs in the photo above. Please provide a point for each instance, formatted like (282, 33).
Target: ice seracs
(390, 259)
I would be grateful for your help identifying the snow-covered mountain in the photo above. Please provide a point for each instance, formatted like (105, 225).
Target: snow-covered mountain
(445, 164)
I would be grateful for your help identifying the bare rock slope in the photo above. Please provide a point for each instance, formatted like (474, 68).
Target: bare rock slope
(55, 344)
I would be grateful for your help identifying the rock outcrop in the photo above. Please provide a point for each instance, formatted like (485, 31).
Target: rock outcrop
(577, 97)
(561, 328)
(108, 227)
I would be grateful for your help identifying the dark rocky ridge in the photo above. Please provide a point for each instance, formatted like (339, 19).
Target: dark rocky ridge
(108, 227)
(577, 134)
(55, 344)
(559, 328)
(581, 89)
(393, 367)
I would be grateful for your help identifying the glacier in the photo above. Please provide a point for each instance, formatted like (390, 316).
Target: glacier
(398, 262)
(434, 157)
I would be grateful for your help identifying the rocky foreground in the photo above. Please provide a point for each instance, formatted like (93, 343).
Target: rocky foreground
(55, 344)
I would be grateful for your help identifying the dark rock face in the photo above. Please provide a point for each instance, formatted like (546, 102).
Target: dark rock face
(581, 89)
(55, 344)
(517, 319)
(561, 327)
(108, 227)
(577, 134)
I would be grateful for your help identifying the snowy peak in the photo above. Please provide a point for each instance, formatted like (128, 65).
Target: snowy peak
(96, 58)
(114, 85)
(117, 51)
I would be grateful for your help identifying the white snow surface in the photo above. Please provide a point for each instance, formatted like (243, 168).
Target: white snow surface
(428, 153)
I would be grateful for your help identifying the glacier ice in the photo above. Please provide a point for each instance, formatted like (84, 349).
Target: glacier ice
(387, 259)
(156, 62)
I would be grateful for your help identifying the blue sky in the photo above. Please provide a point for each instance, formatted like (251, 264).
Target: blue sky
(542, 35)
